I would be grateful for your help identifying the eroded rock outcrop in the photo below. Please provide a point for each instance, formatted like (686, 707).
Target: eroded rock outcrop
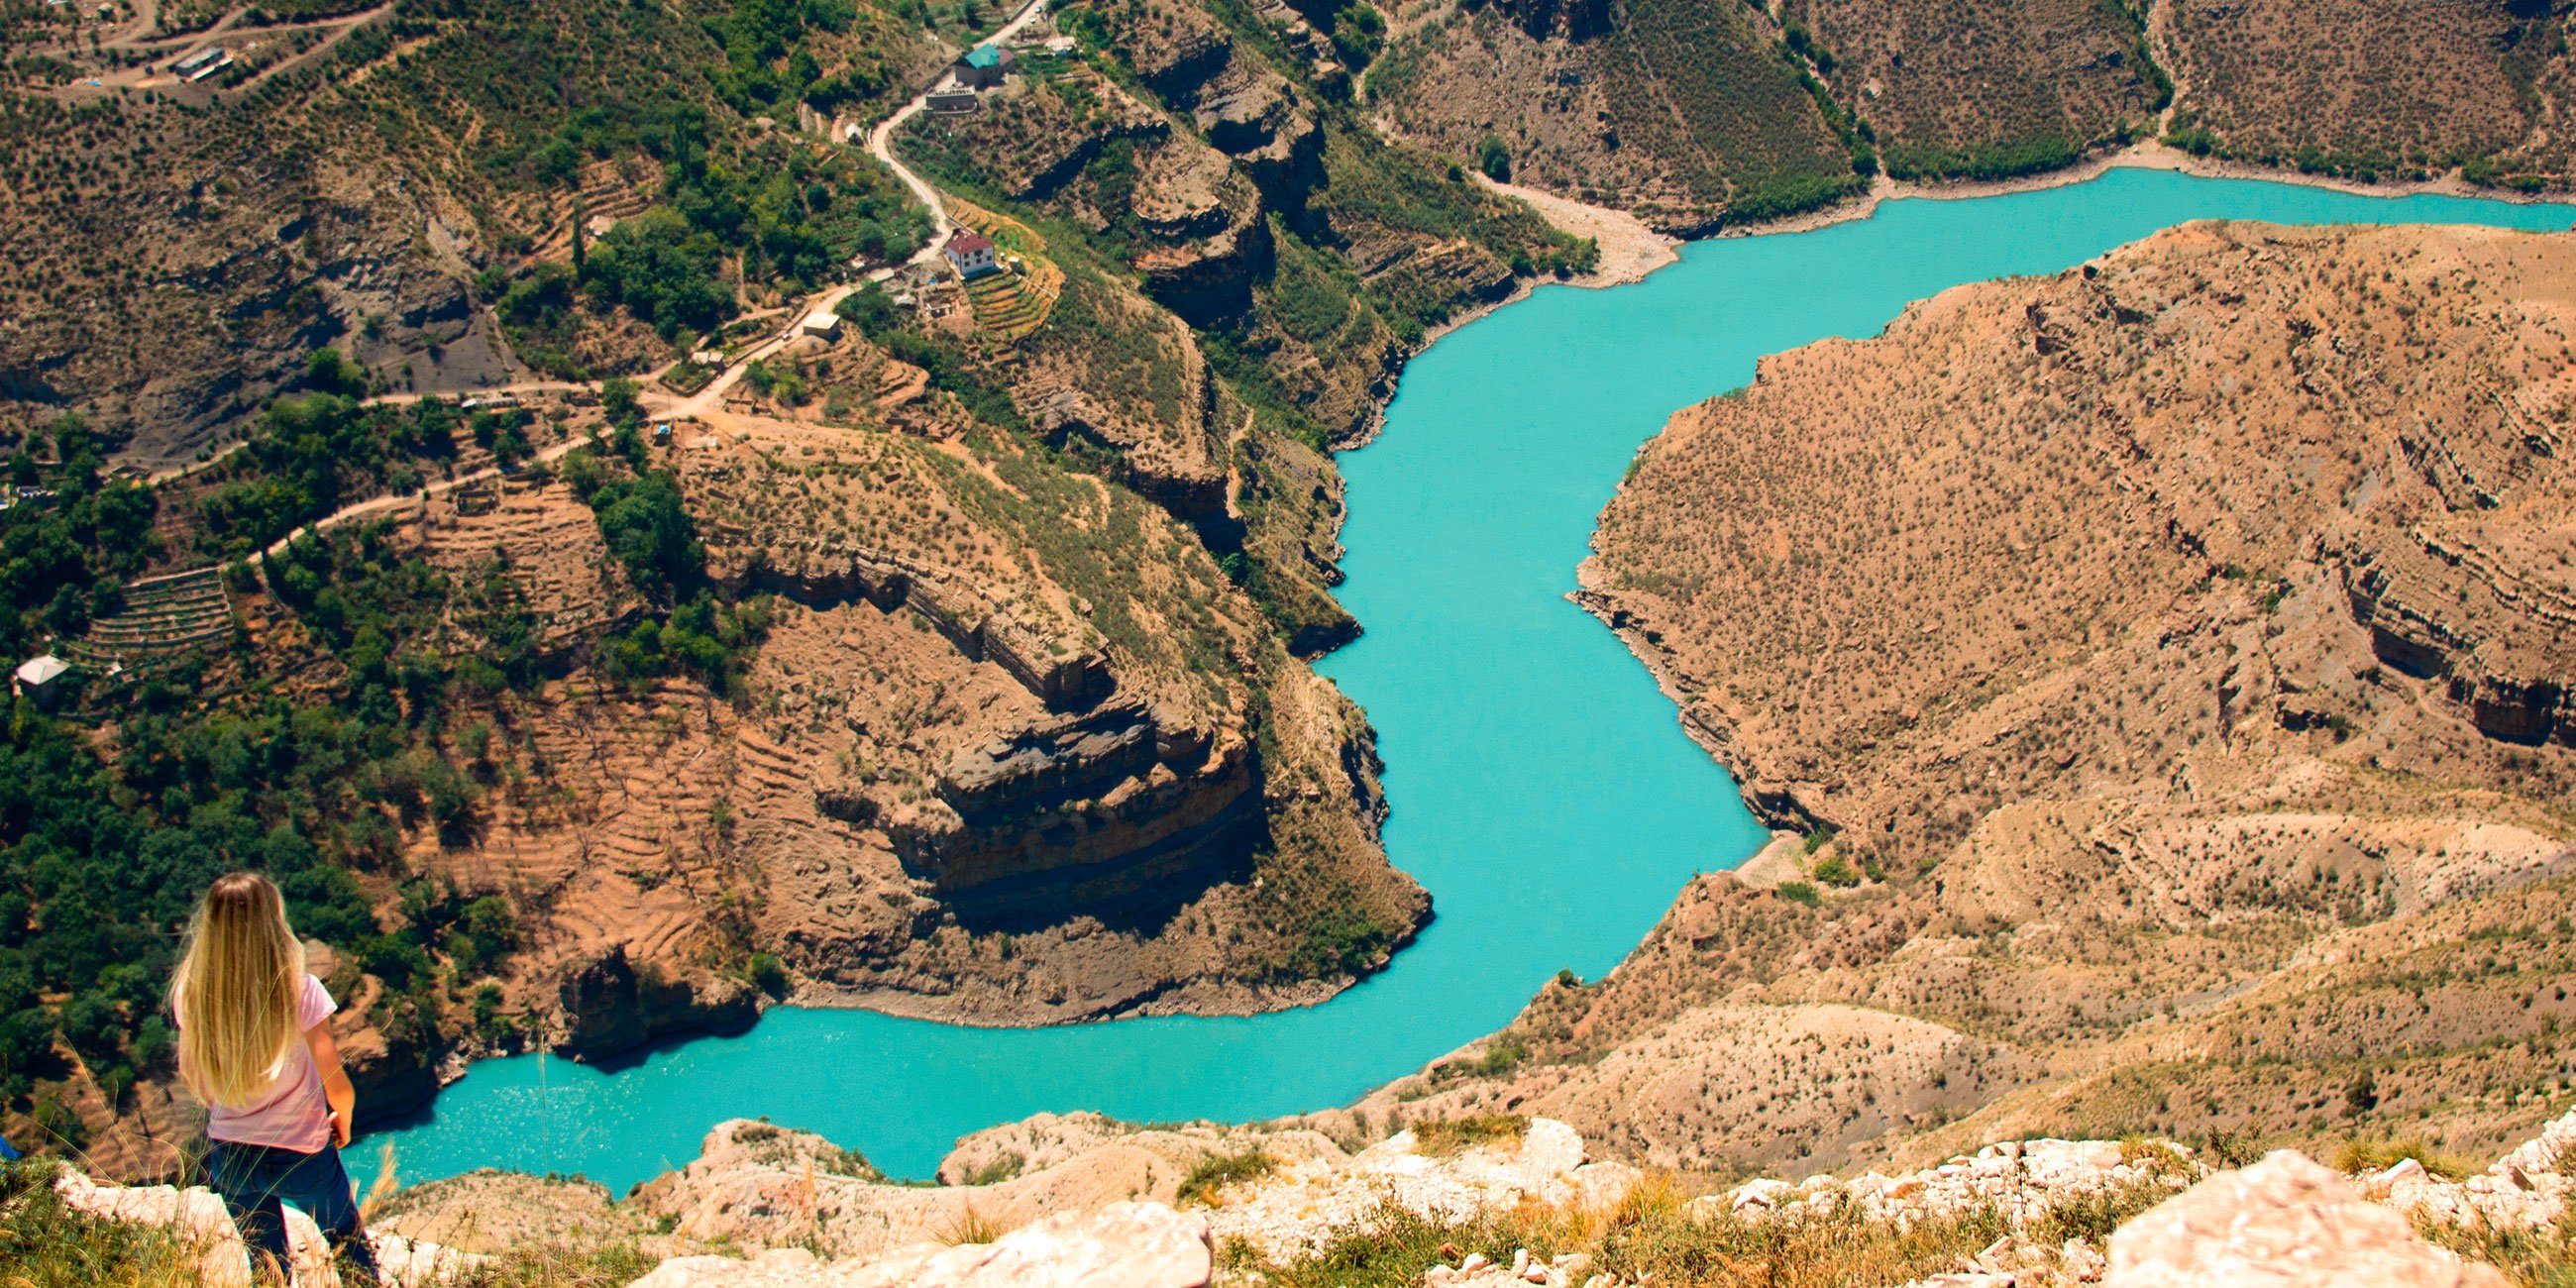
(607, 1005)
(1108, 802)
(1004, 700)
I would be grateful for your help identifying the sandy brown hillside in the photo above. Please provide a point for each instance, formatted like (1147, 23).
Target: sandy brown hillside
(1953, 90)
(2167, 659)
(1688, 114)
(2374, 89)
(1693, 116)
(1698, 115)
(181, 246)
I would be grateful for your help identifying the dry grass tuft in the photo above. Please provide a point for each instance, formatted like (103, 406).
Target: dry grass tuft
(47, 1243)
(2361, 1156)
(606, 1266)
(970, 1226)
(1653, 1232)
(1454, 1135)
(1217, 1171)
(2542, 1258)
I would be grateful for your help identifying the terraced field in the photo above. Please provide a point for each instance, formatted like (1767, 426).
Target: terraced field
(164, 618)
(606, 194)
(1017, 301)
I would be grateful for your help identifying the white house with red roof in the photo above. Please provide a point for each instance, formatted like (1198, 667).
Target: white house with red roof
(971, 254)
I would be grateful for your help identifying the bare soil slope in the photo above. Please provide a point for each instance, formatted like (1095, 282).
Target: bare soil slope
(1689, 115)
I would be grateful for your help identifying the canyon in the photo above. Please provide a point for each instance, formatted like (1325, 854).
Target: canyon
(2152, 669)
(2153, 674)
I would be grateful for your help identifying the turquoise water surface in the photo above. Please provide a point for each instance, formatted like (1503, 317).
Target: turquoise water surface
(1540, 785)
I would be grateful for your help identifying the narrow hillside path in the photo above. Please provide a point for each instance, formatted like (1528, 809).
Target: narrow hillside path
(881, 139)
(2160, 47)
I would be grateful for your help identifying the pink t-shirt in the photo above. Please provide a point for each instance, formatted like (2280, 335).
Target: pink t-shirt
(294, 1115)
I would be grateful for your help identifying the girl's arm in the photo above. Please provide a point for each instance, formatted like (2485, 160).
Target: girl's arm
(335, 1081)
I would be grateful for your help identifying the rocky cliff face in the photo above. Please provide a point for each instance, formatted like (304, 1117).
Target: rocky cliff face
(981, 718)
(608, 1007)
(1103, 808)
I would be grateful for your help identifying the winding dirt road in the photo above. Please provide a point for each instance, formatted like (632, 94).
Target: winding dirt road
(703, 404)
(881, 139)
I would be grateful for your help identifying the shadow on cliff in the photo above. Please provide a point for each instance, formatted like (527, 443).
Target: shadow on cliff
(1125, 896)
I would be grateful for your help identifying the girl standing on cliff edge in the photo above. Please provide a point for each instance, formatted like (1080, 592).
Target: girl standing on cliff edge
(255, 1045)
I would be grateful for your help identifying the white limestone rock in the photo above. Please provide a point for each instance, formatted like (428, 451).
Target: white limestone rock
(2282, 1222)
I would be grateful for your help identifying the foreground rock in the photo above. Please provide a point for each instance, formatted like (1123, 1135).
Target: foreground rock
(2282, 1221)
(814, 1216)
(1124, 1245)
(1299, 1206)
(1108, 1205)
(196, 1216)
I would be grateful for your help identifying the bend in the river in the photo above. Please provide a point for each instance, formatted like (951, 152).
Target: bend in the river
(1540, 785)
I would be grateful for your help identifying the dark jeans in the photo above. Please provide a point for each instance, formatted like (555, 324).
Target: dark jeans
(253, 1179)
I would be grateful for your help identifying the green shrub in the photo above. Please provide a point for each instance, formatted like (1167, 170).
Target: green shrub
(869, 309)
(2094, 1214)
(1217, 1171)
(1835, 870)
(768, 974)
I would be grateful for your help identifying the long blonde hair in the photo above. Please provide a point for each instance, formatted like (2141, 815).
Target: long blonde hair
(236, 991)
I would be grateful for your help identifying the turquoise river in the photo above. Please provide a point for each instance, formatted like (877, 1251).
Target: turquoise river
(1540, 785)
